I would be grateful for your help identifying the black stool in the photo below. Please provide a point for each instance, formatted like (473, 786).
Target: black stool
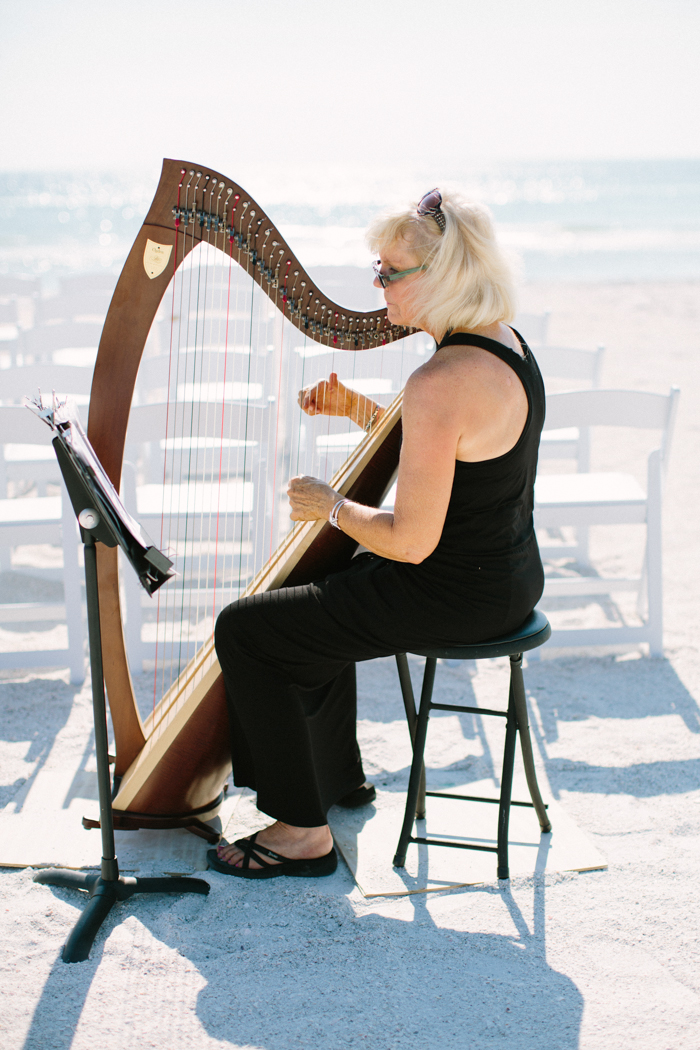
(534, 632)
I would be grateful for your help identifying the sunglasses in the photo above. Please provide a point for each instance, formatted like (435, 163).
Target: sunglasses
(384, 278)
(430, 205)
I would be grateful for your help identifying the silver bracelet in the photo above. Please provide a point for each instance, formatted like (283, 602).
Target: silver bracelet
(333, 516)
(372, 419)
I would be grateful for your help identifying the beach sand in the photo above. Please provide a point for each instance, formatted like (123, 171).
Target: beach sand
(597, 961)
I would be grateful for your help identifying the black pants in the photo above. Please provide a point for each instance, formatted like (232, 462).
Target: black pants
(288, 660)
(289, 670)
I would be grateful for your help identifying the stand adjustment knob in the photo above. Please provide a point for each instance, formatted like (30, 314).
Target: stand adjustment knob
(88, 518)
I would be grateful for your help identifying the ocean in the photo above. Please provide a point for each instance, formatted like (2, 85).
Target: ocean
(565, 221)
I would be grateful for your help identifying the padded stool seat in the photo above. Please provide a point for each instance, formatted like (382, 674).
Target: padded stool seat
(531, 634)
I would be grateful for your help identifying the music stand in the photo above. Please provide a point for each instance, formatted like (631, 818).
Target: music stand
(103, 519)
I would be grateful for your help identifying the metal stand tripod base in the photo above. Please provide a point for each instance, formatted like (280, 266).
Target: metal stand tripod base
(105, 889)
(103, 894)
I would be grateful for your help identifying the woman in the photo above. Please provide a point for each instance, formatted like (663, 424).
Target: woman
(455, 561)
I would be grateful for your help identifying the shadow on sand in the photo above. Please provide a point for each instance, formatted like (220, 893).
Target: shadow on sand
(564, 690)
(296, 967)
(575, 689)
(34, 712)
(310, 972)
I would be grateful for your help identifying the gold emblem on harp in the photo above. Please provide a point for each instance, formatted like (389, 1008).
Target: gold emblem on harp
(155, 258)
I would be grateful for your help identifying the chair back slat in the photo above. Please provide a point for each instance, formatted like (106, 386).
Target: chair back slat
(564, 362)
(624, 408)
(19, 426)
(26, 380)
(46, 339)
(533, 327)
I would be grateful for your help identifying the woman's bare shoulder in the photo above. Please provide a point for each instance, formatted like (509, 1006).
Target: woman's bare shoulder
(455, 363)
(440, 389)
(499, 333)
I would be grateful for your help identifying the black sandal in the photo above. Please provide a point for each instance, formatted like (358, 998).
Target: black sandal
(313, 868)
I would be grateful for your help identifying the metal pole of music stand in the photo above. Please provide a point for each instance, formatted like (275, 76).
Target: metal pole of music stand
(105, 889)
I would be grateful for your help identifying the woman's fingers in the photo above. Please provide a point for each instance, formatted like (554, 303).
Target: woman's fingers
(327, 397)
(312, 398)
(309, 498)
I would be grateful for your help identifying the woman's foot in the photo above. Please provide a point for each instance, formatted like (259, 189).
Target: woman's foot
(291, 843)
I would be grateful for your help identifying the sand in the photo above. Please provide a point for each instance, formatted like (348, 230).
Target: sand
(598, 961)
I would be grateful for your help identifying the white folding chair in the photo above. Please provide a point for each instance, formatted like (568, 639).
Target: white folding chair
(583, 499)
(20, 293)
(17, 285)
(567, 368)
(82, 307)
(40, 520)
(9, 334)
(533, 327)
(88, 283)
(580, 367)
(69, 343)
(36, 464)
(9, 313)
(26, 380)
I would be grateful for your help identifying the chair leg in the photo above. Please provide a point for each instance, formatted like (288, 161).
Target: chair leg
(520, 703)
(654, 571)
(503, 871)
(412, 718)
(417, 765)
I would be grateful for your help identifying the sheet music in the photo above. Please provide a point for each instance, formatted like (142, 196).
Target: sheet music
(64, 420)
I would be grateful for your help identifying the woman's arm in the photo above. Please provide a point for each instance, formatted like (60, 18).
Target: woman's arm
(465, 404)
(330, 397)
(431, 431)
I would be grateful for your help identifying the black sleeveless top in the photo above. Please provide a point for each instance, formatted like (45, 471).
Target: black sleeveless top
(485, 576)
(490, 509)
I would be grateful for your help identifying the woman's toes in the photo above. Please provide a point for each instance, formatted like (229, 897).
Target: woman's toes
(228, 854)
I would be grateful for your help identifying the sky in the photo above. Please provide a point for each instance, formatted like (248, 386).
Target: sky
(269, 86)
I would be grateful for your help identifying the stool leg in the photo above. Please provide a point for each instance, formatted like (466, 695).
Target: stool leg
(412, 718)
(518, 687)
(503, 870)
(417, 766)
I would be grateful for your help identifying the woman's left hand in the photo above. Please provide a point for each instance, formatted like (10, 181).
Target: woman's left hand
(310, 499)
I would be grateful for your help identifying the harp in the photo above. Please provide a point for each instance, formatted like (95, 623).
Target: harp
(240, 321)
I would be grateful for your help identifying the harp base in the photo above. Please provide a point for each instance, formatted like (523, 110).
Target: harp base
(103, 894)
(194, 821)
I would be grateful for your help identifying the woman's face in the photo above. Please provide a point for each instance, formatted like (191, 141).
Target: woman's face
(398, 295)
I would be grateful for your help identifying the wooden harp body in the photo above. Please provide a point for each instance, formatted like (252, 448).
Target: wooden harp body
(220, 380)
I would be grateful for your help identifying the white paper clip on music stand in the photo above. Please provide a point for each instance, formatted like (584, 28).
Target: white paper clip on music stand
(102, 518)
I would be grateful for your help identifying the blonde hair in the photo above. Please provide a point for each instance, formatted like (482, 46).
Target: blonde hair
(468, 282)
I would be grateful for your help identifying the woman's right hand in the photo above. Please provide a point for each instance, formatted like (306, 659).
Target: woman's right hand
(328, 397)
